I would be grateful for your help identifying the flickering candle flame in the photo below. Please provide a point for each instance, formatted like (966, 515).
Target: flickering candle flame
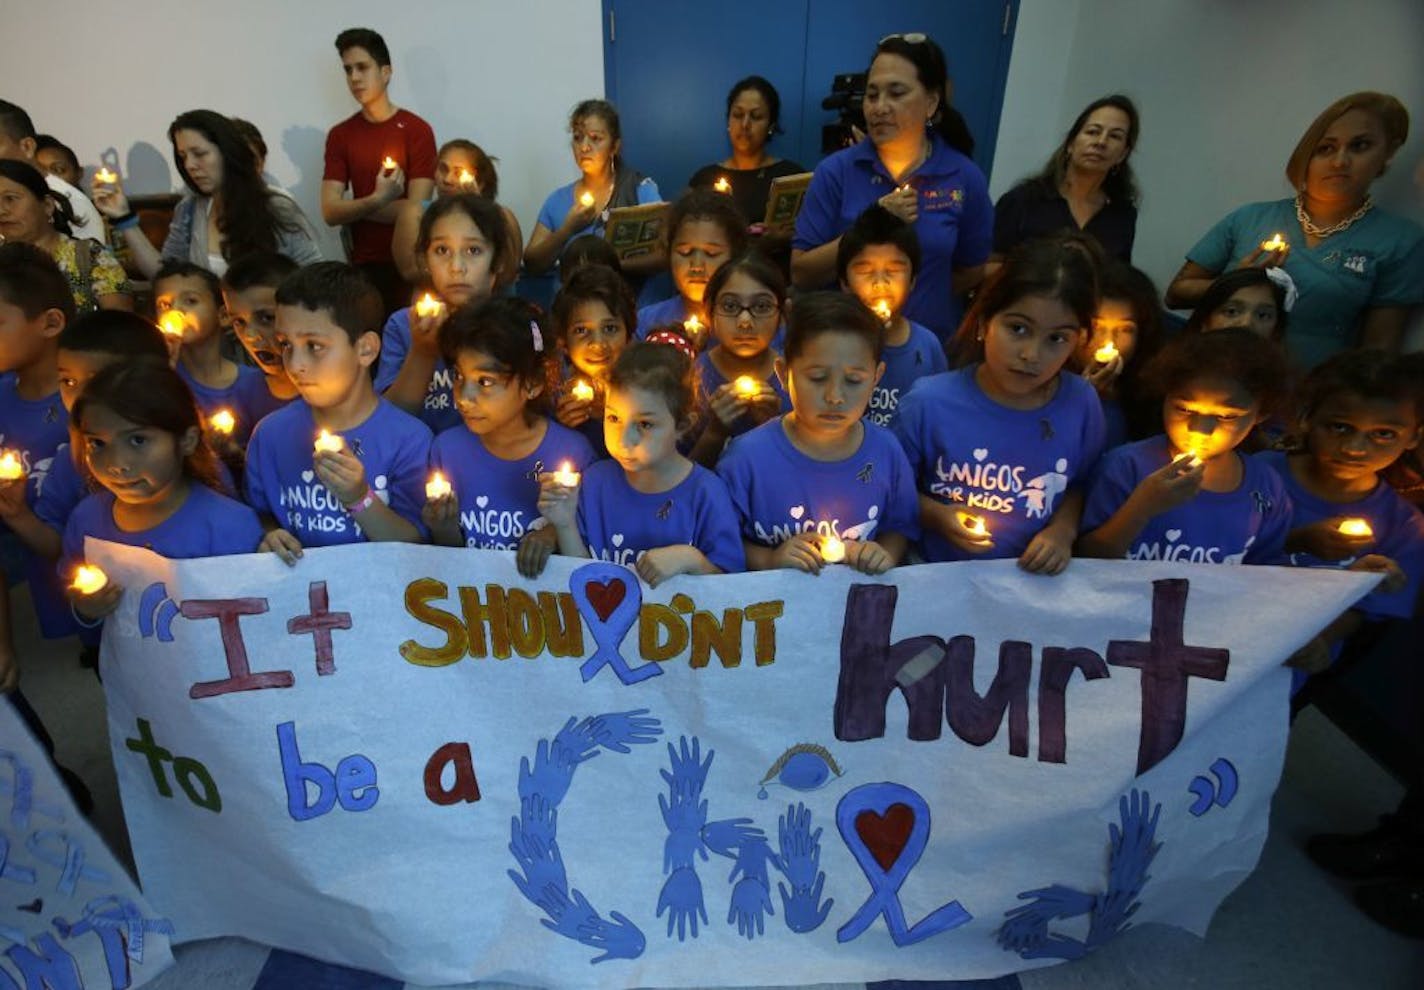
(882, 310)
(173, 323)
(10, 467)
(1105, 353)
(88, 580)
(905, 188)
(582, 391)
(973, 525)
(330, 442)
(1356, 527)
(586, 199)
(105, 175)
(467, 179)
(722, 185)
(566, 475)
(746, 385)
(1189, 458)
(832, 550)
(223, 422)
(693, 327)
(1276, 243)
(437, 487)
(388, 164)
(428, 305)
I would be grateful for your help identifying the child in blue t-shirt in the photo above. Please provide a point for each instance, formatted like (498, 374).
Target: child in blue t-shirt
(738, 387)
(189, 302)
(458, 250)
(249, 288)
(1190, 495)
(1002, 446)
(823, 471)
(1127, 333)
(1360, 413)
(142, 441)
(593, 314)
(366, 481)
(649, 508)
(705, 231)
(501, 371)
(877, 261)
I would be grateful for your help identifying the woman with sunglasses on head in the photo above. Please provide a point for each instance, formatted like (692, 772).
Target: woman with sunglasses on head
(914, 162)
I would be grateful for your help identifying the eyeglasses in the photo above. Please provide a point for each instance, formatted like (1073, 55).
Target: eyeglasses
(732, 307)
(913, 38)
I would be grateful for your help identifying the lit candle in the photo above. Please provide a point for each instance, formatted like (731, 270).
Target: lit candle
(428, 305)
(832, 550)
(566, 475)
(88, 580)
(973, 525)
(467, 179)
(1105, 353)
(389, 164)
(693, 327)
(10, 467)
(330, 442)
(586, 199)
(437, 487)
(882, 310)
(223, 422)
(722, 185)
(582, 391)
(1356, 527)
(746, 385)
(1190, 459)
(905, 188)
(1276, 243)
(104, 175)
(173, 323)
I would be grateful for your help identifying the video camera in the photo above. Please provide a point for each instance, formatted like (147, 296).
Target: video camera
(847, 95)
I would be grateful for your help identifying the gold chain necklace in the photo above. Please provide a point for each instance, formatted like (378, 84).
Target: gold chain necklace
(1313, 230)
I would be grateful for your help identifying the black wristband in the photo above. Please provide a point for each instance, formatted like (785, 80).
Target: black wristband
(127, 219)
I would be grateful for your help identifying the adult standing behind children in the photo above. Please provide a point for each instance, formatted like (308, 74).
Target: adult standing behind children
(19, 141)
(357, 152)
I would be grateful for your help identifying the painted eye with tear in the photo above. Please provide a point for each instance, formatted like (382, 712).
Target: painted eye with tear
(803, 767)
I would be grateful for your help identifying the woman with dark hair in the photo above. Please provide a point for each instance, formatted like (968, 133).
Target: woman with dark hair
(228, 211)
(912, 163)
(31, 214)
(1087, 185)
(753, 119)
(1358, 269)
(605, 183)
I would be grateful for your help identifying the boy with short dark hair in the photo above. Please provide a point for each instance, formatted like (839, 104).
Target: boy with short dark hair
(365, 479)
(19, 141)
(356, 150)
(249, 289)
(877, 261)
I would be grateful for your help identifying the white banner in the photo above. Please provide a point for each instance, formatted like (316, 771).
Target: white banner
(411, 760)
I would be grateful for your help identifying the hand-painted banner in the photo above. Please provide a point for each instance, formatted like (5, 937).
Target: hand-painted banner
(70, 917)
(411, 760)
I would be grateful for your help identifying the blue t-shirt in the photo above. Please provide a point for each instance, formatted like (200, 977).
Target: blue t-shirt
(393, 447)
(36, 430)
(1008, 466)
(780, 492)
(210, 400)
(1115, 421)
(920, 356)
(1377, 261)
(561, 200)
(439, 411)
(661, 314)
(252, 401)
(709, 380)
(1397, 525)
(1247, 525)
(499, 499)
(955, 224)
(64, 487)
(620, 523)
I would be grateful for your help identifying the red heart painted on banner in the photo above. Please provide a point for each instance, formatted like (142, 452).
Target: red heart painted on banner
(605, 596)
(886, 835)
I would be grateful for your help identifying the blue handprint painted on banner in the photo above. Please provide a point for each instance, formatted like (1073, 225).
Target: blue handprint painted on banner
(801, 865)
(1131, 850)
(751, 889)
(533, 841)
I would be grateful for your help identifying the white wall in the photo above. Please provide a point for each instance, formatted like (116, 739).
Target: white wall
(1225, 88)
(503, 74)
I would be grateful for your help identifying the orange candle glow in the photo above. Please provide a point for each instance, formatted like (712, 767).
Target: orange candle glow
(566, 475)
(105, 175)
(882, 310)
(389, 164)
(223, 422)
(974, 525)
(722, 185)
(746, 385)
(1190, 459)
(586, 199)
(437, 487)
(833, 550)
(173, 323)
(428, 305)
(88, 580)
(1276, 243)
(329, 442)
(582, 391)
(10, 467)
(467, 179)
(1105, 353)
(692, 326)
(1356, 527)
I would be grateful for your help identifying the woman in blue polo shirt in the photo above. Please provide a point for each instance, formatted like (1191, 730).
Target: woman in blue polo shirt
(1358, 269)
(909, 164)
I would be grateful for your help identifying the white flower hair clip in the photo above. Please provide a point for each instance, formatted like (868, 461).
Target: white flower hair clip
(1282, 280)
(538, 337)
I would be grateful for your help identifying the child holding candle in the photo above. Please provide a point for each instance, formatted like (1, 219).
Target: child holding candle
(1360, 412)
(822, 482)
(1010, 438)
(371, 488)
(249, 288)
(502, 376)
(459, 247)
(1189, 495)
(1126, 333)
(649, 508)
(877, 261)
(188, 296)
(737, 381)
(141, 438)
(593, 315)
(704, 231)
